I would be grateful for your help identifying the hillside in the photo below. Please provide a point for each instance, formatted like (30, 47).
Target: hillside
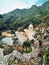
(45, 8)
(23, 17)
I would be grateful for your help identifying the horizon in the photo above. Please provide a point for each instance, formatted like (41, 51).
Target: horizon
(9, 5)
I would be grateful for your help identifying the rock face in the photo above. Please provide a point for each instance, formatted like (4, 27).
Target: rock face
(21, 37)
(26, 34)
(1, 55)
(8, 50)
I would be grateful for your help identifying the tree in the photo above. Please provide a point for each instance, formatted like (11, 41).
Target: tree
(26, 44)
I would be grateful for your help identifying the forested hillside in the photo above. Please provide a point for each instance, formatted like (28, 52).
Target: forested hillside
(21, 18)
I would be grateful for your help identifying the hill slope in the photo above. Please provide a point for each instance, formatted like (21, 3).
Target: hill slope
(23, 17)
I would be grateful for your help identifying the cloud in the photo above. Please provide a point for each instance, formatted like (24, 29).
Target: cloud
(9, 5)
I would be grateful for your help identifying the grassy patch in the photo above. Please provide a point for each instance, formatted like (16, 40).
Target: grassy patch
(29, 50)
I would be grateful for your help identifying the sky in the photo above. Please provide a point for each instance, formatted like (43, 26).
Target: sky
(9, 5)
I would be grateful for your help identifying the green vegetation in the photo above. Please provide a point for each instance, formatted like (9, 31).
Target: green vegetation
(29, 50)
(20, 19)
(47, 57)
(26, 44)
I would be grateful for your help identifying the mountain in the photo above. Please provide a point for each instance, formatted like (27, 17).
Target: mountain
(22, 13)
(23, 17)
(45, 8)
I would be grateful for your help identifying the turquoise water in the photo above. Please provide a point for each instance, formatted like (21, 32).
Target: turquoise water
(7, 40)
(0, 41)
